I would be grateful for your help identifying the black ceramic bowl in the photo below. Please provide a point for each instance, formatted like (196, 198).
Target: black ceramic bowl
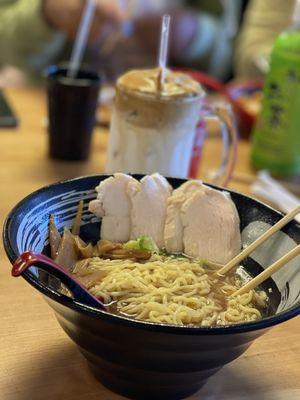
(138, 359)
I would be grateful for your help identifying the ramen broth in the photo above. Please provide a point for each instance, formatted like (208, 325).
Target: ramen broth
(219, 294)
(171, 290)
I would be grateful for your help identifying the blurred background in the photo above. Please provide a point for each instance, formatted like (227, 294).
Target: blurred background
(225, 38)
(227, 45)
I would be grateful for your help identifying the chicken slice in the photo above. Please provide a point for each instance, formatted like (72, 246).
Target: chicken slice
(149, 203)
(210, 226)
(113, 205)
(173, 231)
(162, 183)
(115, 229)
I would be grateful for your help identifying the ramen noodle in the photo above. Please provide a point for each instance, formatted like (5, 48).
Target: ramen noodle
(170, 290)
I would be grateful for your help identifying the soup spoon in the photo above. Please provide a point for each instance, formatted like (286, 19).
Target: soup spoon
(80, 293)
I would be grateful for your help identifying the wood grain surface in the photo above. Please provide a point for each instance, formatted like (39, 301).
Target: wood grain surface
(37, 360)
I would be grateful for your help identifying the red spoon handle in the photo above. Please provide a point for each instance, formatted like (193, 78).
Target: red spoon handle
(81, 294)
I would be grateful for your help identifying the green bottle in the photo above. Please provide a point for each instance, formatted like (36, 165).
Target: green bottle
(276, 137)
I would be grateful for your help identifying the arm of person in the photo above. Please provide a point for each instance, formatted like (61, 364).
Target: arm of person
(264, 20)
(26, 39)
(33, 33)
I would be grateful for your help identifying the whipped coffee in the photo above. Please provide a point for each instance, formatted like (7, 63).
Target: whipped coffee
(153, 123)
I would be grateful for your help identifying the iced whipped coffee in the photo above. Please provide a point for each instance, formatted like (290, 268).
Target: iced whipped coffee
(153, 123)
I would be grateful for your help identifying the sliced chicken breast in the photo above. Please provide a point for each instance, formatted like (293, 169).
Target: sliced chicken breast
(114, 206)
(211, 228)
(173, 231)
(162, 183)
(149, 203)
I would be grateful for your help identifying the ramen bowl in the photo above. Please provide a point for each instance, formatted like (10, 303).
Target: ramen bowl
(143, 360)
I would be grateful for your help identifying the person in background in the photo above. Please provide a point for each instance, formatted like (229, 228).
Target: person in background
(36, 33)
(202, 34)
(263, 22)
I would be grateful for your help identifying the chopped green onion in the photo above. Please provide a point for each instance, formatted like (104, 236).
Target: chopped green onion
(132, 245)
(145, 243)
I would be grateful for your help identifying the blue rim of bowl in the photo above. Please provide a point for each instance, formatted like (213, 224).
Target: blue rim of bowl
(66, 301)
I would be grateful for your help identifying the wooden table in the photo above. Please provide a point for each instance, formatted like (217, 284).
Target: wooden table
(37, 360)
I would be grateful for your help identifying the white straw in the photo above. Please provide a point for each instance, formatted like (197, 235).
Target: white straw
(81, 38)
(163, 48)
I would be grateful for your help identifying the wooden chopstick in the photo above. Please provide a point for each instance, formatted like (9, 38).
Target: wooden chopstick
(280, 224)
(269, 271)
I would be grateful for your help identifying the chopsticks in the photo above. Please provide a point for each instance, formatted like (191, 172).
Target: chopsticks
(268, 272)
(272, 268)
(280, 224)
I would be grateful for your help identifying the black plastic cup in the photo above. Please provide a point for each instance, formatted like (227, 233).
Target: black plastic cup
(72, 104)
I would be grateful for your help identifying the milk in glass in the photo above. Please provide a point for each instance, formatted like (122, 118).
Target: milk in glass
(154, 123)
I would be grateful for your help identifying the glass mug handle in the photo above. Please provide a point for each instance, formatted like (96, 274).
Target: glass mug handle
(222, 113)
